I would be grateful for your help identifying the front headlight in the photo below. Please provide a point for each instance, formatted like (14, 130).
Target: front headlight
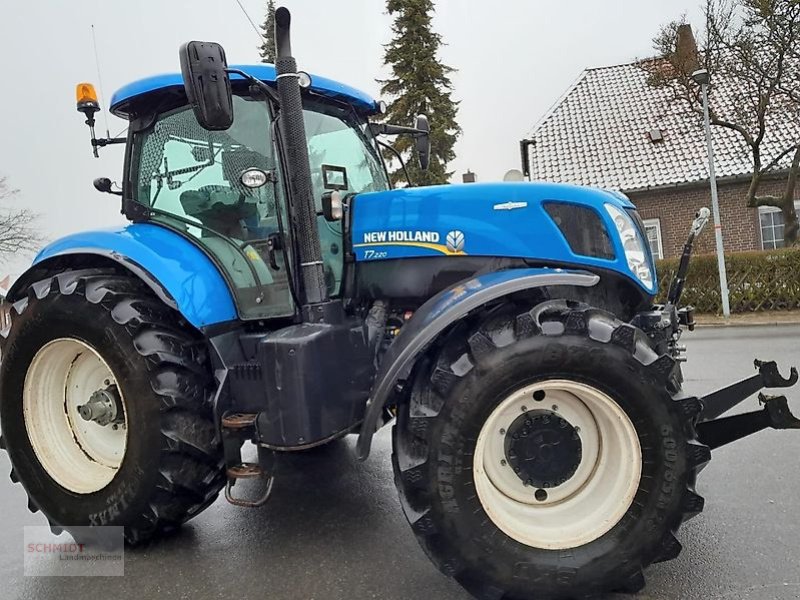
(634, 245)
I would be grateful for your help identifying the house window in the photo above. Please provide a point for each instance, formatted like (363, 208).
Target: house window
(771, 220)
(652, 228)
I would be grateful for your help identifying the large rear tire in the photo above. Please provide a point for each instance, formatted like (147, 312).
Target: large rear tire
(147, 458)
(546, 454)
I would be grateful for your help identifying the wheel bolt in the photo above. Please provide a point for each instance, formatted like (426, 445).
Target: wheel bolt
(540, 495)
(555, 407)
(524, 408)
(502, 431)
(503, 462)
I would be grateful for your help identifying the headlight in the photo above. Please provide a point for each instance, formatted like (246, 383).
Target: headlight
(635, 247)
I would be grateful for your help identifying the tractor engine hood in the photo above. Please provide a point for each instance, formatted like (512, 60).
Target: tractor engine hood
(551, 224)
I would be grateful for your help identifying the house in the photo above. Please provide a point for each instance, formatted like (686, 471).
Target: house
(613, 130)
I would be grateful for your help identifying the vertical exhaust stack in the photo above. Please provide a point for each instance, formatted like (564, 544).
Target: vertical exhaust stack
(296, 150)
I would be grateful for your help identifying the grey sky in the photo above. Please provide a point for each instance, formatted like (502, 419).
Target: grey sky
(514, 59)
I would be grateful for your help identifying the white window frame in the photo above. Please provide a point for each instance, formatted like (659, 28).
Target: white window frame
(655, 223)
(771, 209)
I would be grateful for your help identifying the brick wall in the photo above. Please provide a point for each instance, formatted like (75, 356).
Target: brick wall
(676, 207)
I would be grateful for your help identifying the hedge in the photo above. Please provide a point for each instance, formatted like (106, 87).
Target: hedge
(757, 281)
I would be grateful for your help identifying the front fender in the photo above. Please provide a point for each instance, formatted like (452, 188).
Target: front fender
(441, 311)
(173, 267)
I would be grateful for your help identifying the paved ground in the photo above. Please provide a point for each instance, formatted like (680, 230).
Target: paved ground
(334, 528)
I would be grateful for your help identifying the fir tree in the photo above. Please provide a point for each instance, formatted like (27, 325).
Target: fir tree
(267, 48)
(419, 84)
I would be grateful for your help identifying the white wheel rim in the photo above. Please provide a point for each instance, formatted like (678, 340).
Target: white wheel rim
(81, 456)
(588, 504)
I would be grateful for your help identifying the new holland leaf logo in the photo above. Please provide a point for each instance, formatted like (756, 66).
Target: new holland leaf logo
(455, 241)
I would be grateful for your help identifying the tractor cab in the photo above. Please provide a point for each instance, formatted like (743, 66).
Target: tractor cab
(227, 189)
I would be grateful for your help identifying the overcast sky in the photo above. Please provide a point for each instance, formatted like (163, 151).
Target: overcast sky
(514, 59)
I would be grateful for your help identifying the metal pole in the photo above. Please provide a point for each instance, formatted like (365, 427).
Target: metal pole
(723, 276)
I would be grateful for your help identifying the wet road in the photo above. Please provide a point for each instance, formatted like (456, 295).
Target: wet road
(334, 528)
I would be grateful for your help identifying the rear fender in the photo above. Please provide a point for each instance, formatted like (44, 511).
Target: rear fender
(177, 271)
(438, 314)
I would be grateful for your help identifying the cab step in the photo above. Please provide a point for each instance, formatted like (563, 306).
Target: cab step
(248, 471)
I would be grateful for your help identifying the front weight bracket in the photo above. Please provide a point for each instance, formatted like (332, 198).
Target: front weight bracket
(721, 401)
(775, 414)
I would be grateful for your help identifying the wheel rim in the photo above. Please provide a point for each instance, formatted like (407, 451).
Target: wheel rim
(81, 454)
(593, 479)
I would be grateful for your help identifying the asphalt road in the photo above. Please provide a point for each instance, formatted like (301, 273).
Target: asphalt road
(334, 528)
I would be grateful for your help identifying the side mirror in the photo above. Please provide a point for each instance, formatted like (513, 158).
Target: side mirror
(423, 141)
(207, 85)
(103, 184)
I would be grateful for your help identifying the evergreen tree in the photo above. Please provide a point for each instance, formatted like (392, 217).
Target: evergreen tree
(419, 84)
(267, 48)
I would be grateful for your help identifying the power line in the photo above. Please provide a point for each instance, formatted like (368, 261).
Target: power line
(255, 27)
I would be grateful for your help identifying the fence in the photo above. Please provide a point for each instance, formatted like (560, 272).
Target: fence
(757, 281)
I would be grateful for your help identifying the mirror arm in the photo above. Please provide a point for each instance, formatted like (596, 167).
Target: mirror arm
(394, 151)
(389, 129)
(103, 142)
(273, 95)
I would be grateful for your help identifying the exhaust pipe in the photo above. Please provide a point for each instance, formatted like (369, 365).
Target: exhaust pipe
(303, 206)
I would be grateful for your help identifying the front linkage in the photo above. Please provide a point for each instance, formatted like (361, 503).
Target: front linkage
(663, 325)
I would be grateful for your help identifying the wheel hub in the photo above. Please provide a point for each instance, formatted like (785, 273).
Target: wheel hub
(543, 449)
(104, 407)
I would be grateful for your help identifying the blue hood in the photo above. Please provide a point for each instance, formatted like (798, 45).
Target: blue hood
(489, 219)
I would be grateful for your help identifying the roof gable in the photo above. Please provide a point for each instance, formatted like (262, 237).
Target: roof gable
(598, 134)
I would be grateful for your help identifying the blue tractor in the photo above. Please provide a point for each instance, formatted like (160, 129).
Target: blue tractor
(272, 288)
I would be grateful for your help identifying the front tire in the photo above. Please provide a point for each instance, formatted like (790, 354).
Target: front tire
(544, 454)
(147, 458)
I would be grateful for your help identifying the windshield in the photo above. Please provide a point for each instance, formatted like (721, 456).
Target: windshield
(342, 155)
(192, 176)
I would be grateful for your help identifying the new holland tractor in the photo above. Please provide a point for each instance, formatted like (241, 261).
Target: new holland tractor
(272, 288)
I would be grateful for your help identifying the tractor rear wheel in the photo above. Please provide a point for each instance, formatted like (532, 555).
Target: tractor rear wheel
(105, 406)
(545, 454)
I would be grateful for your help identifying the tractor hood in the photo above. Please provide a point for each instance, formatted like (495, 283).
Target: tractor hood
(557, 224)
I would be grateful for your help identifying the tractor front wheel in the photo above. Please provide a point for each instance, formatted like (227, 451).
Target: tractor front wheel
(105, 406)
(546, 454)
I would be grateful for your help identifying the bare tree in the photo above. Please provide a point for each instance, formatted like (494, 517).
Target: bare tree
(18, 230)
(752, 50)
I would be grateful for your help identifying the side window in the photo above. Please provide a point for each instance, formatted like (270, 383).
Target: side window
(336, 140)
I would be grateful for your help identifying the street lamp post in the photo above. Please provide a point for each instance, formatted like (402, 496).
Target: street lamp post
(702, 78)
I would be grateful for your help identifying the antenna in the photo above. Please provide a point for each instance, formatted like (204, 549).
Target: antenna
(247, 16)
(100, 79)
